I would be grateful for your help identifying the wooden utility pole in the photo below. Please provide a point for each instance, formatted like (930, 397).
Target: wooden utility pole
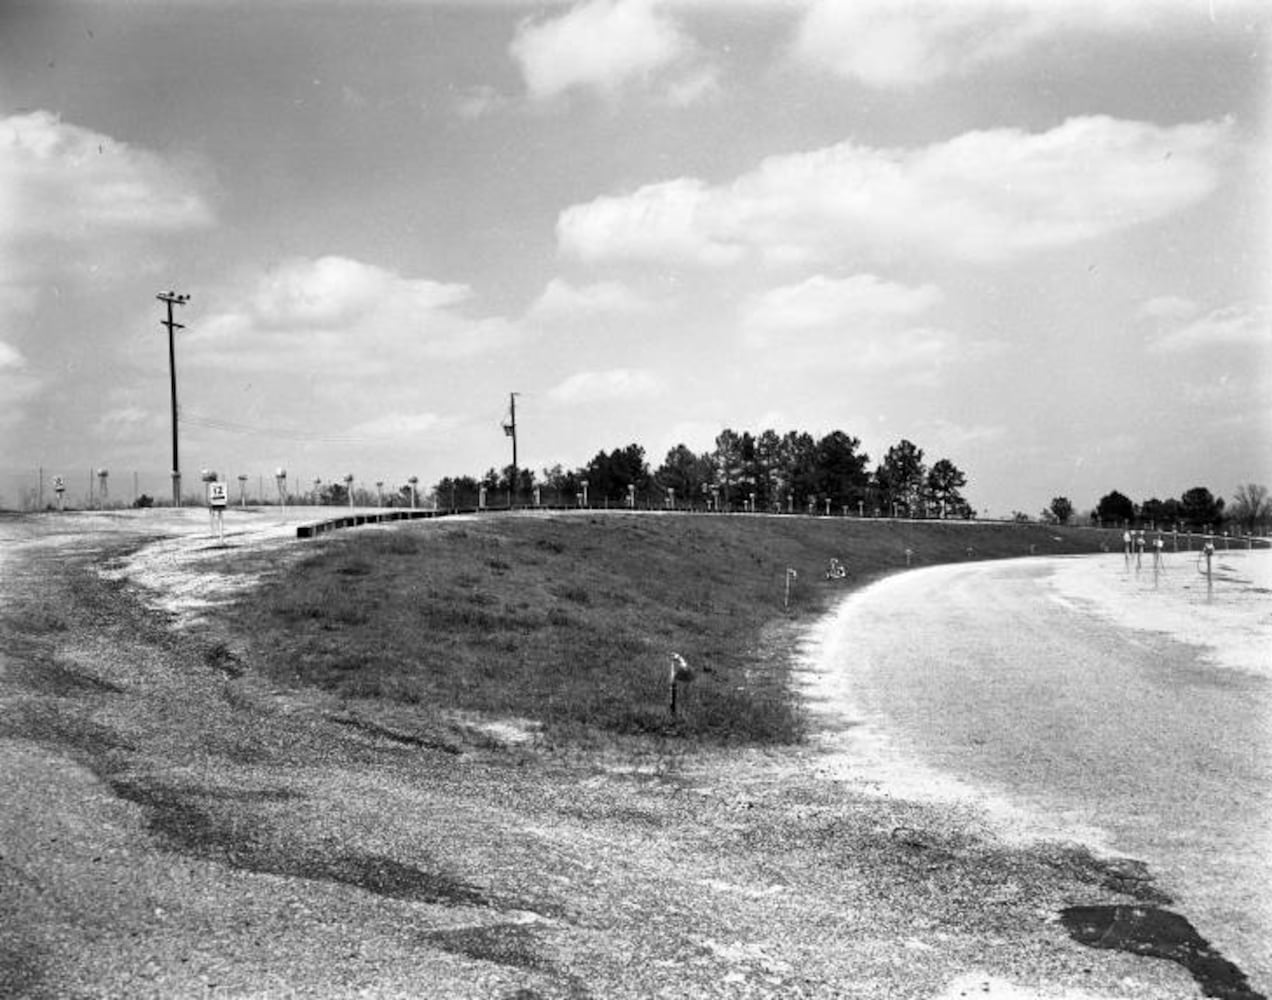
(510, 428)
(171, 299)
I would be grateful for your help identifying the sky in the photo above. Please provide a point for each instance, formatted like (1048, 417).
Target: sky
(1031, 237)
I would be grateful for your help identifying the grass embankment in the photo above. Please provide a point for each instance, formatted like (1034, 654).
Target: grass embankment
(570, 620)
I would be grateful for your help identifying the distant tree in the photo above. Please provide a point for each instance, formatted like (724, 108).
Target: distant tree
(770, 472)
(560, 485)
(841, 469)
(749, 476)
(1061, 509)
(1153, 511)
(900, 478)
(609, 475)
(943, 483)
(729, 467)
(452, 493)
(1020, 517)
(798, 460)
(333, 494)
(1115, 508)
(685, 473)
(1251, 507)
(1198, 507)
(145, 500)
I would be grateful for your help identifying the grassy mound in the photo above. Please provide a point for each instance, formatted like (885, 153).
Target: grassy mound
(571, 620)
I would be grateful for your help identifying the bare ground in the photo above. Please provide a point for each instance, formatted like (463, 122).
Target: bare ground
(173, 826)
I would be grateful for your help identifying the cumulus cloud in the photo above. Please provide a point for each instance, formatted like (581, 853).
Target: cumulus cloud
(335, 291)
(604, 386)
(1230, 327)
(563, 301)
(601, 45)
(10, 357)
(842, 306)
(682, 220)
(985, 195)
(17, 384)
(401, 426)
(129, 423)
(862, 322)
(342, 318)
(885, 44)
(77, 209)
(62, 181)
(1167, 307)
(478, 102)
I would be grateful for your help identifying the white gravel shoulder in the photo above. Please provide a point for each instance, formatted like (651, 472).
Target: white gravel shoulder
(1231, 618)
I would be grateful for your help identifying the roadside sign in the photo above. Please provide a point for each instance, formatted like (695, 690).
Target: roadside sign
(59, 484)
(218, 494)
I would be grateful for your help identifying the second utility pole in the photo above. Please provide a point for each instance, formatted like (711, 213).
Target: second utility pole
(510, 428)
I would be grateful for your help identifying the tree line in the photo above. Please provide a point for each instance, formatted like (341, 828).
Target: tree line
(765, 472)
(1197, 509)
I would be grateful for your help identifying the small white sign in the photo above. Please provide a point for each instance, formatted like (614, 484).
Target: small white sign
(218, 494)
(59, 484)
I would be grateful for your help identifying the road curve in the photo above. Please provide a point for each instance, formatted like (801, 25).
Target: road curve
(985, 674)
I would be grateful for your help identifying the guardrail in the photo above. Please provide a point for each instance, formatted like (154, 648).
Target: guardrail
(316, 528)
(355, 520)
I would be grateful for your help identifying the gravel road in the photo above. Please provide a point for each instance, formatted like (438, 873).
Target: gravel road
(989, 681)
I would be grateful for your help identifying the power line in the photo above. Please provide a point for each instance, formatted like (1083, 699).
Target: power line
(236, 427)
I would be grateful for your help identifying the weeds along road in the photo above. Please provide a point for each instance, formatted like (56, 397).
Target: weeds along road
(173, 825)
(990, 676)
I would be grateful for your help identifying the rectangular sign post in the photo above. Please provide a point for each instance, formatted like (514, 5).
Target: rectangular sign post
(218, 498)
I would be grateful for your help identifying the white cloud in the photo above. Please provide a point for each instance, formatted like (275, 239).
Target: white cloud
(599, 45)
(335, 291)
(401, 426)
(883, 44)
(10, 357)
(844, 307)
(985, 195)
(1167, 307)
(337, 319)
(63, 182)
(861, 324)
(695, 86)
(479, 101)
(947, 436)
(129, 423)
(17, 385)
(1233, 326)
(603, 386)
(562, 301)
(680, 220)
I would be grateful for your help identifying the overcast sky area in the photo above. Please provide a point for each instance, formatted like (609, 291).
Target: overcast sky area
(1032, 237)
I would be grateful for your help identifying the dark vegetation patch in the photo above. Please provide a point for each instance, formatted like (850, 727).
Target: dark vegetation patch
(571, 621)
(1158, 933)
(222, 658)
(505, 944)
(195, 824)
(21, 970)
(393, 735)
